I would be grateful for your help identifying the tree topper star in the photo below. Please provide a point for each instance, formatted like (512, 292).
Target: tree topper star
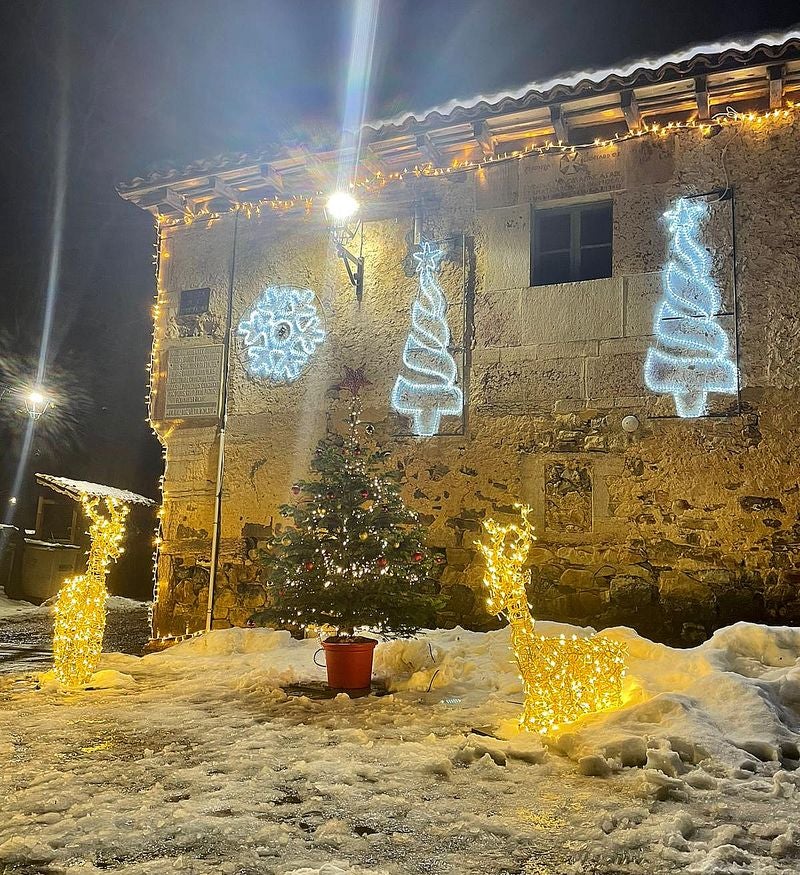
(354, 380)
(429, 256)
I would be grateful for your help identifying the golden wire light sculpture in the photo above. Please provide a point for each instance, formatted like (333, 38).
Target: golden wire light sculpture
(563, 677)
(80, 611)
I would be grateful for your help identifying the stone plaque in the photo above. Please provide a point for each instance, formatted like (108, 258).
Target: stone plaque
(568, 497)
(193, 381)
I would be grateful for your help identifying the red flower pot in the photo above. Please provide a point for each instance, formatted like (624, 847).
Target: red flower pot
(349, 662)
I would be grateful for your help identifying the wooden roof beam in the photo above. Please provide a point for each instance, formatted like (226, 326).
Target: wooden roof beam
(221, 189)
(174, 199)
(428, 150)
(271, 177)
(484, 138)
(701, 96)
(559, 123)
(630, 109)
(776, 74)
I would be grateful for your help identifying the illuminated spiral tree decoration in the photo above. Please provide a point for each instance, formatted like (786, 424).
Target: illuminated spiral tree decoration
(433, 392)
(564, 678)
(691, 358)
(281, 333)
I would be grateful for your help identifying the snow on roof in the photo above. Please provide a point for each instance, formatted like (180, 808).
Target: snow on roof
(620, 71)
(75, 488)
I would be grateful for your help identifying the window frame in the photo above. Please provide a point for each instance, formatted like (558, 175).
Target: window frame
(574, 211)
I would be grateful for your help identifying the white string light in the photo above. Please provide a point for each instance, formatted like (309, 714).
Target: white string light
(685, 320)
(426, 353)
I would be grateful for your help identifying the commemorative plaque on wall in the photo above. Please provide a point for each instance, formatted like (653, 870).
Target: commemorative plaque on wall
(193, 381)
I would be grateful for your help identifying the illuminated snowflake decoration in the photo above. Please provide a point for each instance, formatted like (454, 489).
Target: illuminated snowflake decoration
(281, 333)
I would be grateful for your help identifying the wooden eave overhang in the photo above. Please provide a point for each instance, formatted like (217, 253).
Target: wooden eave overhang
(763, 76)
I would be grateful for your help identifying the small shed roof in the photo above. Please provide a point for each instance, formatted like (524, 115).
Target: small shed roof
(78, 488)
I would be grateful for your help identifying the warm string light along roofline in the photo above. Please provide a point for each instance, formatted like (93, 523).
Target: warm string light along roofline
(377, 181)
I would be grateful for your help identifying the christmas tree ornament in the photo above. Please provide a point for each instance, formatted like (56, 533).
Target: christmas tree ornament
(431, 392)
(692, 353)
(382, 562)
(563, 678)
(309, 566)
(362, 536)
(364, 493)
(416, 556)
(295, 489)
(281, 333)
(286, 541)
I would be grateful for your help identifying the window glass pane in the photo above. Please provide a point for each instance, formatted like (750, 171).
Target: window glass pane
(596, 225)
(551, 268)
(595, 263)
(553, 232)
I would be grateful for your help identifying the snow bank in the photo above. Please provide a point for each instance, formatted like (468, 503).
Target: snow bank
(14, 607)
(733, 699)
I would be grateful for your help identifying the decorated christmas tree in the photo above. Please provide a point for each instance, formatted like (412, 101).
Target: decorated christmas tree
(692, 355)
(353, 554)
(430, 392)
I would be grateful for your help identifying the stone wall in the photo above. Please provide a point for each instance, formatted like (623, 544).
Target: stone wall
(675, 528)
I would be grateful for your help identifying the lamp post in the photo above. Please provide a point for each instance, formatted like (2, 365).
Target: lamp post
(341, 210)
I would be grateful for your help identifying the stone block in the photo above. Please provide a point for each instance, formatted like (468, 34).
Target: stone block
(642, 293)
(679, 586)
(531, 381)
(507, 233)
(567, 312)
(629, 591)
(567, 349)
(609, 376)
(497, 318)
(581, 578)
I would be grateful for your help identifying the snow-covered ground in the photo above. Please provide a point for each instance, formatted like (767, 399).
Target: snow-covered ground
(13, 607)
(195, 760)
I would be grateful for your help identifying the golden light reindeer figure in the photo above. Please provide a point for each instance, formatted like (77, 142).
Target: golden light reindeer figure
(80, 611)
(563, 677)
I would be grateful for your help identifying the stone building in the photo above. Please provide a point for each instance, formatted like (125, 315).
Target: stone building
(548, 209)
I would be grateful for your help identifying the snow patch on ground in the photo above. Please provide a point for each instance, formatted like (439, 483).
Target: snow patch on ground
(195, 759)
(14, 607)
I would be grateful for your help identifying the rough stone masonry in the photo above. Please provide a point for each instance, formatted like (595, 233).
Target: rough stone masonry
(675, 528)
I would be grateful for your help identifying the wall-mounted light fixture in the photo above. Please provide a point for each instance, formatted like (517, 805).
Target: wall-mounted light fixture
(342, 214)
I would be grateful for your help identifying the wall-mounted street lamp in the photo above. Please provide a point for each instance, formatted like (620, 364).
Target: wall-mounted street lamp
(36, 403)
(342, 211)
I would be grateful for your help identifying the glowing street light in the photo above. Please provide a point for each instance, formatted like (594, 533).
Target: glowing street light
(341, 210)
(36, 403)
(341, 207)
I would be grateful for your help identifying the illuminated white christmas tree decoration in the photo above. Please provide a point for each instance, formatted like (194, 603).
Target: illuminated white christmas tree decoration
(691, 358)
(281, 333)
(433, 393)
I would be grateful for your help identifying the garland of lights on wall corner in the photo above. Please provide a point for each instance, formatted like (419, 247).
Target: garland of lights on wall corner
(379, 181)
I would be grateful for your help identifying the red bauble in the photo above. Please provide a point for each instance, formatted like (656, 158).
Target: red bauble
(365, 493)
(417, 557)
(309, 566)
(439, 560)
(382, 562)
(295, 490)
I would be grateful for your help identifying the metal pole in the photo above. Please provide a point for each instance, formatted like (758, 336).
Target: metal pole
(222, 418)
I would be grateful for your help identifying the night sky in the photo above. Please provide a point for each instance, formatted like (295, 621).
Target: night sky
(140, 84)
